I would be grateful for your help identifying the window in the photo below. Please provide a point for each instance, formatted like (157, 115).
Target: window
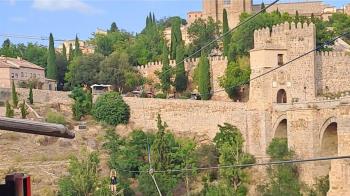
(227, 2)
(280, 59)
(22, 74)
(12, 75)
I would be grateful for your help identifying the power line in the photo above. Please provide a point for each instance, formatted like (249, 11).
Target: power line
(32, 37)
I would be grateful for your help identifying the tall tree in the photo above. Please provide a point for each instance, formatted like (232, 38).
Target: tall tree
(51, 60)
(262, 6)
(77, 50)
(297, 18)
(181, 77)
(30, 97)
(165, 74)
(64, 52)
(204, 77)
(71, 54)
(176, 37)
(114, 27)
(227, 37)
(14, 95)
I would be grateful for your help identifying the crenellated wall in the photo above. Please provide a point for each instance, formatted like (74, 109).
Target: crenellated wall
(332, 72)
(218, 65)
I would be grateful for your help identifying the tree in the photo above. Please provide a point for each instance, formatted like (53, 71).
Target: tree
(70, 54)
(180, 77)
(30, 97)
(14, 94)
(166, 73)
(229, 142)
(283, 179)
(82, 102)
(9, 110)
(111, 109)
(24, 110)
(61, 62)
(262, 6)
(51, 60)
(297, 18)
(114, 27)
(83, 178)
(176, 38)
(77, 51)
(234, 78)
(201, 32)
(204, 85)
(225, 32)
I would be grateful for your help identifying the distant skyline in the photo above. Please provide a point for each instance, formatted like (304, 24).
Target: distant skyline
(66, 18)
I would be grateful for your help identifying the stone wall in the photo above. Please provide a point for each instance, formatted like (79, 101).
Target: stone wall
(332, 72)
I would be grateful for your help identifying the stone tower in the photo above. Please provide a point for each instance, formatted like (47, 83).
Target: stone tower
(234, 8)
(274, 47)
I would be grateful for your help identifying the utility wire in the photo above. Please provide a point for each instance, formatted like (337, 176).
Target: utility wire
(32, 37)
(256, 164)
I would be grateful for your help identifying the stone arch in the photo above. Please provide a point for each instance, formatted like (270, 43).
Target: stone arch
(280, 127)
(281, 96)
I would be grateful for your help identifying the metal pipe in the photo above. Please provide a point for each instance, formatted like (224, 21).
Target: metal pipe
(34, 127)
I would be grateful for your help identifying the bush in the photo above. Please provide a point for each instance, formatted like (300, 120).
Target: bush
(160, 96)
(30, 97)
(54, 117)
(9, 110)
(24, 110)
(111, 109)
(82, 103)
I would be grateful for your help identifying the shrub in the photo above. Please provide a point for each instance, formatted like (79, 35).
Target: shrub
(14, 95)
(30, 97)
(160, 96)
(111, 109)
(82, 102)
(24, 110)
(54, 117)
(9, 110)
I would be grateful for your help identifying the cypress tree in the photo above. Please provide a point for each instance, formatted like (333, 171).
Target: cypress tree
(147, 22)
(24, 110)
(64, 52)
(226, 34)
(204, 86)
(114, 27)
(51, 60)
(77, 50)
(71, 54)
(312, 18)
(176, 37)
(154, 18)
(263, 7)
(30, 98)
(14, 95)
(297, 19)
(181, 77)
(9, 111)
(165, 75)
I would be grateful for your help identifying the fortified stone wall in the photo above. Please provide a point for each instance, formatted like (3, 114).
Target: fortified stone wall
(217, 65)
(332, 72)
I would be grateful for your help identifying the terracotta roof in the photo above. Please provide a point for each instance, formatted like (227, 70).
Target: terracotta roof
(17, 63)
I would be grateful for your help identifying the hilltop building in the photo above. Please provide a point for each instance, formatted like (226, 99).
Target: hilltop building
(22, 71)
(85, 47)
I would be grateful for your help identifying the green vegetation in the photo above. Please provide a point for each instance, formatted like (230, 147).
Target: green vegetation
(14, 94)
(225, 29)
(82, 102)
(30, 97)
(111, 109)
(166, 73)
(283, 179)
(10, 113)
(51, 71)
(180, 72)
(204, 85)
(83, 178)
(24, 110)
(176, 37)
(77, 50)
(54, 117)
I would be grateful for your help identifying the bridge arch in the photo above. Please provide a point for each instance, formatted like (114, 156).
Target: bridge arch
(280, 127)
(329, 137)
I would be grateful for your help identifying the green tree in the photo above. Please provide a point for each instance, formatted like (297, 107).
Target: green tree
(83, 178)
(9, 110)
(14, 95)
(262, 6)
(61, 62)
(176, 37)
(225, 32)
(30, 97)
(77, 50)
(283, 179)
(24, 110)
(114, 27)
(297, 18)
(70, 53)
(234, 78)
(166, 73)
(111, 109)
(204, 85)
(82, 102)
(36, 54)
(229, 142)
(180, 74)
(51, 60)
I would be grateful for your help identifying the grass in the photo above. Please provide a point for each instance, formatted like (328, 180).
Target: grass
(55, 117)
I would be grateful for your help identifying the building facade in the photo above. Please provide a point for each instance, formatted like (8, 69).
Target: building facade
(22, 71)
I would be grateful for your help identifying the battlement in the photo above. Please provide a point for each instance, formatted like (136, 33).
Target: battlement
(331, 54)
(277, 35)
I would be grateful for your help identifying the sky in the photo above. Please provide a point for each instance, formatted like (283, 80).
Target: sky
(66, 18)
